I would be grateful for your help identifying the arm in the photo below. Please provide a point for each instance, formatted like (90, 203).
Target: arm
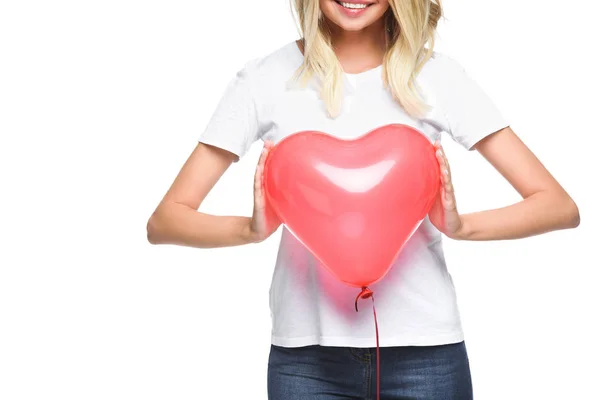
(176, 219)
(545, 207)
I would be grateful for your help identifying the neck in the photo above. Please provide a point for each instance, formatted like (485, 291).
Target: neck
(359, 50)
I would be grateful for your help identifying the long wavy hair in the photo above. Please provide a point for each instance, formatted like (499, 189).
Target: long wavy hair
(410, 27)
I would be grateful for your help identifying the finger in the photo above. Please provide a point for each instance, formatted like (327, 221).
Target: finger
(446, 163)
(448, 201)
(444, 170)
(263, 160)
(439, 154)
(258, 197)
(446, 175)
(438, 151)
(446, 178)
(258, 177)
(260, 165)
(440, 159)
(446, 183)
(268, 145)
(449, 188)
(263, 155)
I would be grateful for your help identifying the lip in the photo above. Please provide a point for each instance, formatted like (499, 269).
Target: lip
(357, 2)
(356, 12)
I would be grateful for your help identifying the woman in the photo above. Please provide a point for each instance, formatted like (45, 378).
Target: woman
(361, 64)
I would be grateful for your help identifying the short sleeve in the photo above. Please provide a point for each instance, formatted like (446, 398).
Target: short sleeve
(469, 112)
(234, 124)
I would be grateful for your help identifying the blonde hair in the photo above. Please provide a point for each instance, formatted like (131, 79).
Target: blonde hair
(410, 25)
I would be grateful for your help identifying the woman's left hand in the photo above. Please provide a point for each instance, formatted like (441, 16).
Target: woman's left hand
(444, 214)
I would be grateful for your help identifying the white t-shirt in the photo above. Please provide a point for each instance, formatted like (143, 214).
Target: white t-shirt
(416, 301)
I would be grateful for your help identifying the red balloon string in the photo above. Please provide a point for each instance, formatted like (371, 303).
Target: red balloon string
(365, 294)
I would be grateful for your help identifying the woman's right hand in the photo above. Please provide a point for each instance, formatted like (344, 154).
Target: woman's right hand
(264, 220)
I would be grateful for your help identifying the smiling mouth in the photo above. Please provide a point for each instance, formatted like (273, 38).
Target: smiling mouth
(354, 6)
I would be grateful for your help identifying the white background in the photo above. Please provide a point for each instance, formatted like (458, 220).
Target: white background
(100, 104)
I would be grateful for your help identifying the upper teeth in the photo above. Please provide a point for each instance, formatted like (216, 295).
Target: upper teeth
(353, 5)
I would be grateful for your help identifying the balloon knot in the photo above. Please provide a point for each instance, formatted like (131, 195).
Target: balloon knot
(364, 294)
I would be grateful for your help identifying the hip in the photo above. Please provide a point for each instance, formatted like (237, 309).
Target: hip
(440, 372)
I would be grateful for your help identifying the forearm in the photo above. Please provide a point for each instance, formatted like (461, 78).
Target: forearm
(181, 225)
(539, 213)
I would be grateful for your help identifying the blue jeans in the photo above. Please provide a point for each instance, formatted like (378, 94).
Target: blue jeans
(327, 373)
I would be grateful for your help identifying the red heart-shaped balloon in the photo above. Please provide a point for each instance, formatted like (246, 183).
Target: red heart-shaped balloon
(353, 203)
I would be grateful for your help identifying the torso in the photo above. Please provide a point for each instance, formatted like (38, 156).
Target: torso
(416, 302)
